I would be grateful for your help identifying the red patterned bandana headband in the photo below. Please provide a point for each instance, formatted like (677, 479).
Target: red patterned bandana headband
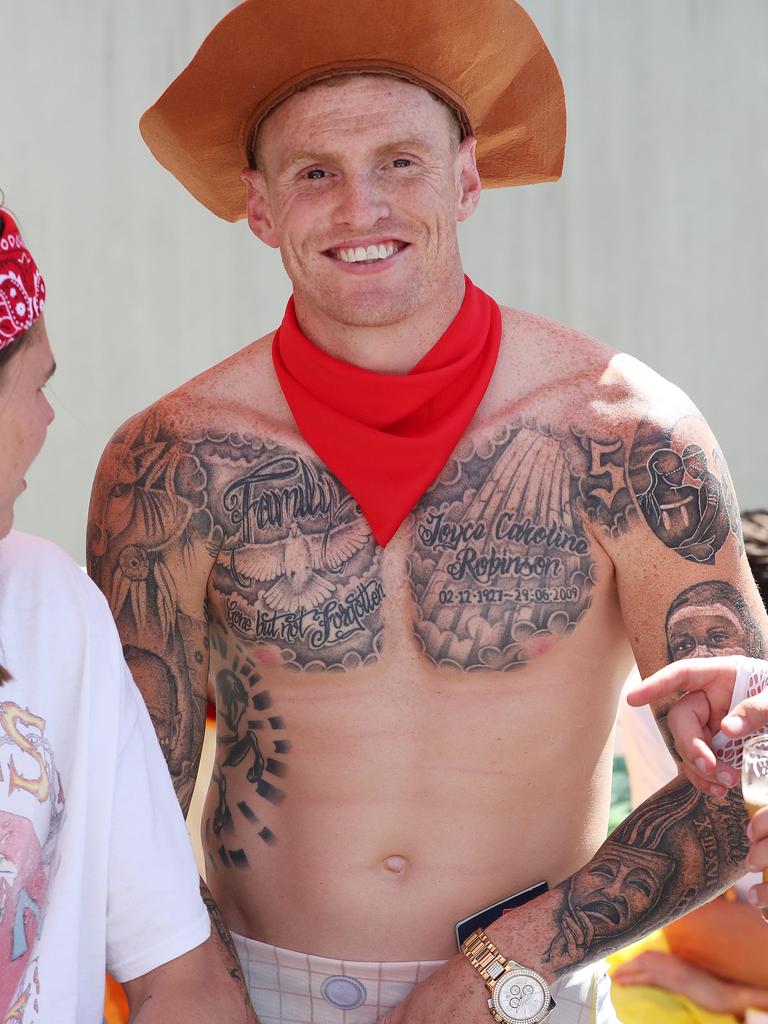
(22, 289)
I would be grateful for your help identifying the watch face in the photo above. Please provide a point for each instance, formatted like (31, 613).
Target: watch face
(521, 995)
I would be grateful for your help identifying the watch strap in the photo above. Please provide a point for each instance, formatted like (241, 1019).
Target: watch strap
(489, 962)
(484, 955)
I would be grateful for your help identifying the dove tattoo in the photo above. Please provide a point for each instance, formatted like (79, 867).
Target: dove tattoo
(295, 563)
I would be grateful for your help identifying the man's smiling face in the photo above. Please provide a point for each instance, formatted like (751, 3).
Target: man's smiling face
(361, 184)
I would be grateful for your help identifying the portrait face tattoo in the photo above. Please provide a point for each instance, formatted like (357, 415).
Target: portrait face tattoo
(701, 632)
(684, 493)
(709, 620)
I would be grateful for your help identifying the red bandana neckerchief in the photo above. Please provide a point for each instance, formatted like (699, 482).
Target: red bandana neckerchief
(386, 437)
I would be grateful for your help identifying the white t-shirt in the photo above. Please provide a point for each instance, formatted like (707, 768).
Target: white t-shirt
(95, 863)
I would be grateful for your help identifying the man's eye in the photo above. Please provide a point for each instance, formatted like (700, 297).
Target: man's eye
(683, 645)
(401, 162)
(315, 174)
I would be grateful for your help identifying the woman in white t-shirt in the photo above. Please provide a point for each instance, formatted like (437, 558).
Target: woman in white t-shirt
(95, 864)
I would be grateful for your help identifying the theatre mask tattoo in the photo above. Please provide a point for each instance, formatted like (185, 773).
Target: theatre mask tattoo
(298, 572)
(684, 493)
(679, 848)
(674, 852)
(501, 566)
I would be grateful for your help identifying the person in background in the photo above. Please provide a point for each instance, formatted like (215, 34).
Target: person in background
(718, 954)
(95, 864)
(755, 526)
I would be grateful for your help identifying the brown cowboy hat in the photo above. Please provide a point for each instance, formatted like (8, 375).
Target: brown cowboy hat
(485, 58)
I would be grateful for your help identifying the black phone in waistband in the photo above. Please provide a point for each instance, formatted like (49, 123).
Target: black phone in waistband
(485, 918)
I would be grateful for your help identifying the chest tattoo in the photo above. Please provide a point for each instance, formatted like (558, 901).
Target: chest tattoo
(298, 569)
(501, 567)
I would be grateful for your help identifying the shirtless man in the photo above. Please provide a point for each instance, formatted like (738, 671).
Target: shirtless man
(415, 692)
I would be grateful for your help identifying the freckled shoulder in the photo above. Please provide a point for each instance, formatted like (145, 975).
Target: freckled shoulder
(574, 443)
(234, 395)
(575, 376)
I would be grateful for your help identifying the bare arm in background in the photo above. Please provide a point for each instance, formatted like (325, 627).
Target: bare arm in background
(193, 989)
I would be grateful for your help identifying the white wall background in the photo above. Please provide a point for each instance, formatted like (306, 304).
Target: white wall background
(655, 241)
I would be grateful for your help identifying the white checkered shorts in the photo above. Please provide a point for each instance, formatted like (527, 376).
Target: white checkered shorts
(296, 988)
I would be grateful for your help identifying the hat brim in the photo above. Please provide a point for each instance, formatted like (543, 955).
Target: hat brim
(488, 62)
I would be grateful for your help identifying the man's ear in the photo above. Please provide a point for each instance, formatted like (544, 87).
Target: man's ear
(257, 204)
(468, 179)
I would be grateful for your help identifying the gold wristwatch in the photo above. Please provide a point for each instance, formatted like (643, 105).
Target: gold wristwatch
(518, 994)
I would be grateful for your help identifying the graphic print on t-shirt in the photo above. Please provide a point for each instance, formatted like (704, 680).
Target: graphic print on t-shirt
(31, 815)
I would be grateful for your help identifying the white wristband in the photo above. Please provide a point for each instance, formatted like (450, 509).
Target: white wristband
(751, 679)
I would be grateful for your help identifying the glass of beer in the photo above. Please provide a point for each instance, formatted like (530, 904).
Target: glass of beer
(754, 780)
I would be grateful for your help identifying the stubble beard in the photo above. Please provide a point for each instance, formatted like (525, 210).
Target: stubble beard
(373, 310)
(375, 302)
(362, 303)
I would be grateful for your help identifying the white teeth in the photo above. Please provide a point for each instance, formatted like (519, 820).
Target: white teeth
(361, 254)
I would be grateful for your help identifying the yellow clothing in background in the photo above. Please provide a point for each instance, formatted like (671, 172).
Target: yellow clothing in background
(641, 1004)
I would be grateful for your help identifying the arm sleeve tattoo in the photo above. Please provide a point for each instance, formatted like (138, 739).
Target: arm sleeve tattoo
(677, 850)
(149, 540)
(680, 848)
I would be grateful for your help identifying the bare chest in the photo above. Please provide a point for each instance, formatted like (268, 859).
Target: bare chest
(494, 568)
(337, 662)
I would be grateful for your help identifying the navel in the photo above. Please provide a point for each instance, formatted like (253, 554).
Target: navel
(397, 865)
